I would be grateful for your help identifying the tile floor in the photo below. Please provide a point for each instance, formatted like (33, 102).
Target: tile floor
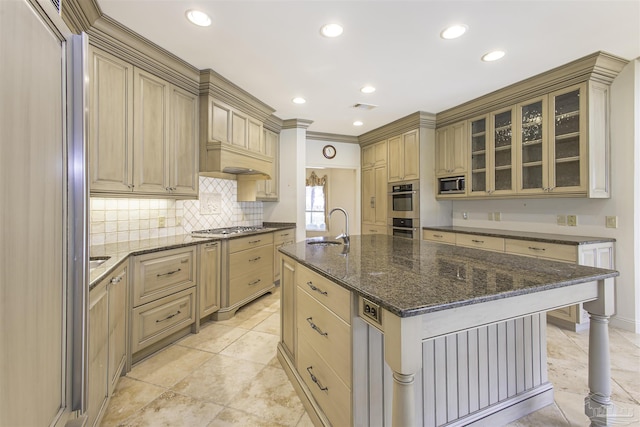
(228, 375)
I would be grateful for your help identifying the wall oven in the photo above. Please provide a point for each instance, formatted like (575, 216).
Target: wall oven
(404, 199)
(405, 227)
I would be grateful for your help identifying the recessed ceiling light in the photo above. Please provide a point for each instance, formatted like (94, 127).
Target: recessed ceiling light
(331, 30)
(199, 18)
(358, 123)
(298, 100)
(493, 55)
(453, 32)
(368, 89)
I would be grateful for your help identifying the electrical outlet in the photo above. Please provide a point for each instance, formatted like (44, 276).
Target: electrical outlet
(465, 215)
(612, 222)
(490, 216)
(561, 220)
(572, 220)
(162, 222)
(497, 216)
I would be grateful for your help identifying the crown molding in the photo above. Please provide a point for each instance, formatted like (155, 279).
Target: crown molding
(419, 119)
(108, 34)
(296, 124)
(600, 67)
(323, 136)
(79, 15)
(223, 89)
(273, 123)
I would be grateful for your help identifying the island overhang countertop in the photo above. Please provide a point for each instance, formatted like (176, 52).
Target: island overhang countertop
(412, 277)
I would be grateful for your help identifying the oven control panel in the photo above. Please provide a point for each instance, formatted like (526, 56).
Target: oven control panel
(371, 312)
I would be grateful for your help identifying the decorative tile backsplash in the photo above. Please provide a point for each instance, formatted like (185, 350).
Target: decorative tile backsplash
(119, 220)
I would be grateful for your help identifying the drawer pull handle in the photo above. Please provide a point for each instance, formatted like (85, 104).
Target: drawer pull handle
(255, 259)
(533, 248)
(169, 273)
(117, 279)
(315, 327)
(439, 236)
(314, 288)
(168, 317)
(255, 282)
(254, 241)
(315, 379)
(477, 241)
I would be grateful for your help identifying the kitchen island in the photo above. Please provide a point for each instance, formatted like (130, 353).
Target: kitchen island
(391, 331)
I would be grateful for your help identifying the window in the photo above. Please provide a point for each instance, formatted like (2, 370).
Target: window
(315, 205)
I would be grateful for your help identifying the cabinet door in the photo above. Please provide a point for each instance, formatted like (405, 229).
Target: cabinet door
(567, 141)
(255, 140)
(451, 150)
(502, 173)
(209, 282)
(110, 123)
(533, 152)
(287, 295)
(479, 142)
(267, 190)
(380, 205)
(183, 159)
(118, 308)
(98, 389)
(395, 158)
(411, 155)
(368, 196)
(150, 132)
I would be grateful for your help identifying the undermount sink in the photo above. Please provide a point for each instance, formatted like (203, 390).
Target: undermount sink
(95, 262)
(323, 242)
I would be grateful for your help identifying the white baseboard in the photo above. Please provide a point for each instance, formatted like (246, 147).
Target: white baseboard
(626, 324)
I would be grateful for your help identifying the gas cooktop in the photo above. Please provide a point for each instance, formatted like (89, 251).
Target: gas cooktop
(225, 231)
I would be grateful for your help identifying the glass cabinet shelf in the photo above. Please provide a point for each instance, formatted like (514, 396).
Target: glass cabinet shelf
(533, 142)
(567, 136)
(531, 164)
(568, 159)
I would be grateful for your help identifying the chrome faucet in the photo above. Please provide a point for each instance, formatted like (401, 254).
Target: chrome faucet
(344, 236)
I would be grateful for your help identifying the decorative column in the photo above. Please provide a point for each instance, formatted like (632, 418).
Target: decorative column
(597, 405)
(403, 354)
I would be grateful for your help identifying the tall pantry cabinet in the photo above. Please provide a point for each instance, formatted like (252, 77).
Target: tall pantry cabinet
(374, 188)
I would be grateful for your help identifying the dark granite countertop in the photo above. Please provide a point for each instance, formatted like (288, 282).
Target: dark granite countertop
(120, 252)
(523, 235)
(413, 277)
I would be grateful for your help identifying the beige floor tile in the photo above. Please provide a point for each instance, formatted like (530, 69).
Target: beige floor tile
(272, 397)
(627, 335)
(572, 406)
(234, 418)
(305, 421)
(247, 318)
(169, 366)
(129, 396)
(219, 379)
(253, 346)
(271, 325)
(212, 337)
(549, 416)
(172, 409)
(629, 381)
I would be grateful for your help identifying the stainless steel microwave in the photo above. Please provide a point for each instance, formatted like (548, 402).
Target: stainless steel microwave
(451, 185)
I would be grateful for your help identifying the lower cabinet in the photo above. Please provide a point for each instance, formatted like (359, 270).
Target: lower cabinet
(287, 303)
(209, 279)
(107, 341)
(281, 238)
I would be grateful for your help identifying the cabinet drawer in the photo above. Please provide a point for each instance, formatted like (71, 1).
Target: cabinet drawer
(481, 242)
(374, 229)
(250, 260)
(331, 394)
(555, 251)
(283, 236)
(249, 242)
(329, 335)
(163, 273)
(153, 321)
(332, 295)
(249, 283)
(439, 236)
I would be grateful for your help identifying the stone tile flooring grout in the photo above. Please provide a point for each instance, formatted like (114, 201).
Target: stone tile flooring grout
(228, 375)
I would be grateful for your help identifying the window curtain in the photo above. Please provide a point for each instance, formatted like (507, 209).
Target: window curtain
(315, 181)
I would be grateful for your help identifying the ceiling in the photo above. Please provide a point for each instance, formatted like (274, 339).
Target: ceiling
(274, 50)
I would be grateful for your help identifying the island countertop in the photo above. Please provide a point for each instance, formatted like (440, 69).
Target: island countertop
(413, 277)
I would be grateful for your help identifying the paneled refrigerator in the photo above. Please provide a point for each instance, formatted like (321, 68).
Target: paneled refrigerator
(43, 217)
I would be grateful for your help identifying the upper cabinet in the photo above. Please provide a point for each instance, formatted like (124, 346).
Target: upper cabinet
(143, 132)
(267, 189)
(451, 150)
(546, 136)
(403, 161)
(374, 154)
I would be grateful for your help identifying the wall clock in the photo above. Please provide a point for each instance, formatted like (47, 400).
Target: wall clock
(329, 151)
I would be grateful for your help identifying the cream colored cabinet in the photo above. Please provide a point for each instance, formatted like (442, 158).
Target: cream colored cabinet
(163, 297)
(250, 268)
(98, 374)
(267, 190)
(403, 161)
(451, 150)
(374, 155)
(288, 287)
(209, 279)
(374, 197)
(118, 290)
(142, 131)
(110, 123)
(281, 238)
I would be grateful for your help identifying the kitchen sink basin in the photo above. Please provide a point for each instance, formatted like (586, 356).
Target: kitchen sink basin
(97, 261)
(323, 242)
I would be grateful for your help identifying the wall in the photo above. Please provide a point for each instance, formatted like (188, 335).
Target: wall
(539, 215)
(432, 211)
(120, 220)
(343, 192)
